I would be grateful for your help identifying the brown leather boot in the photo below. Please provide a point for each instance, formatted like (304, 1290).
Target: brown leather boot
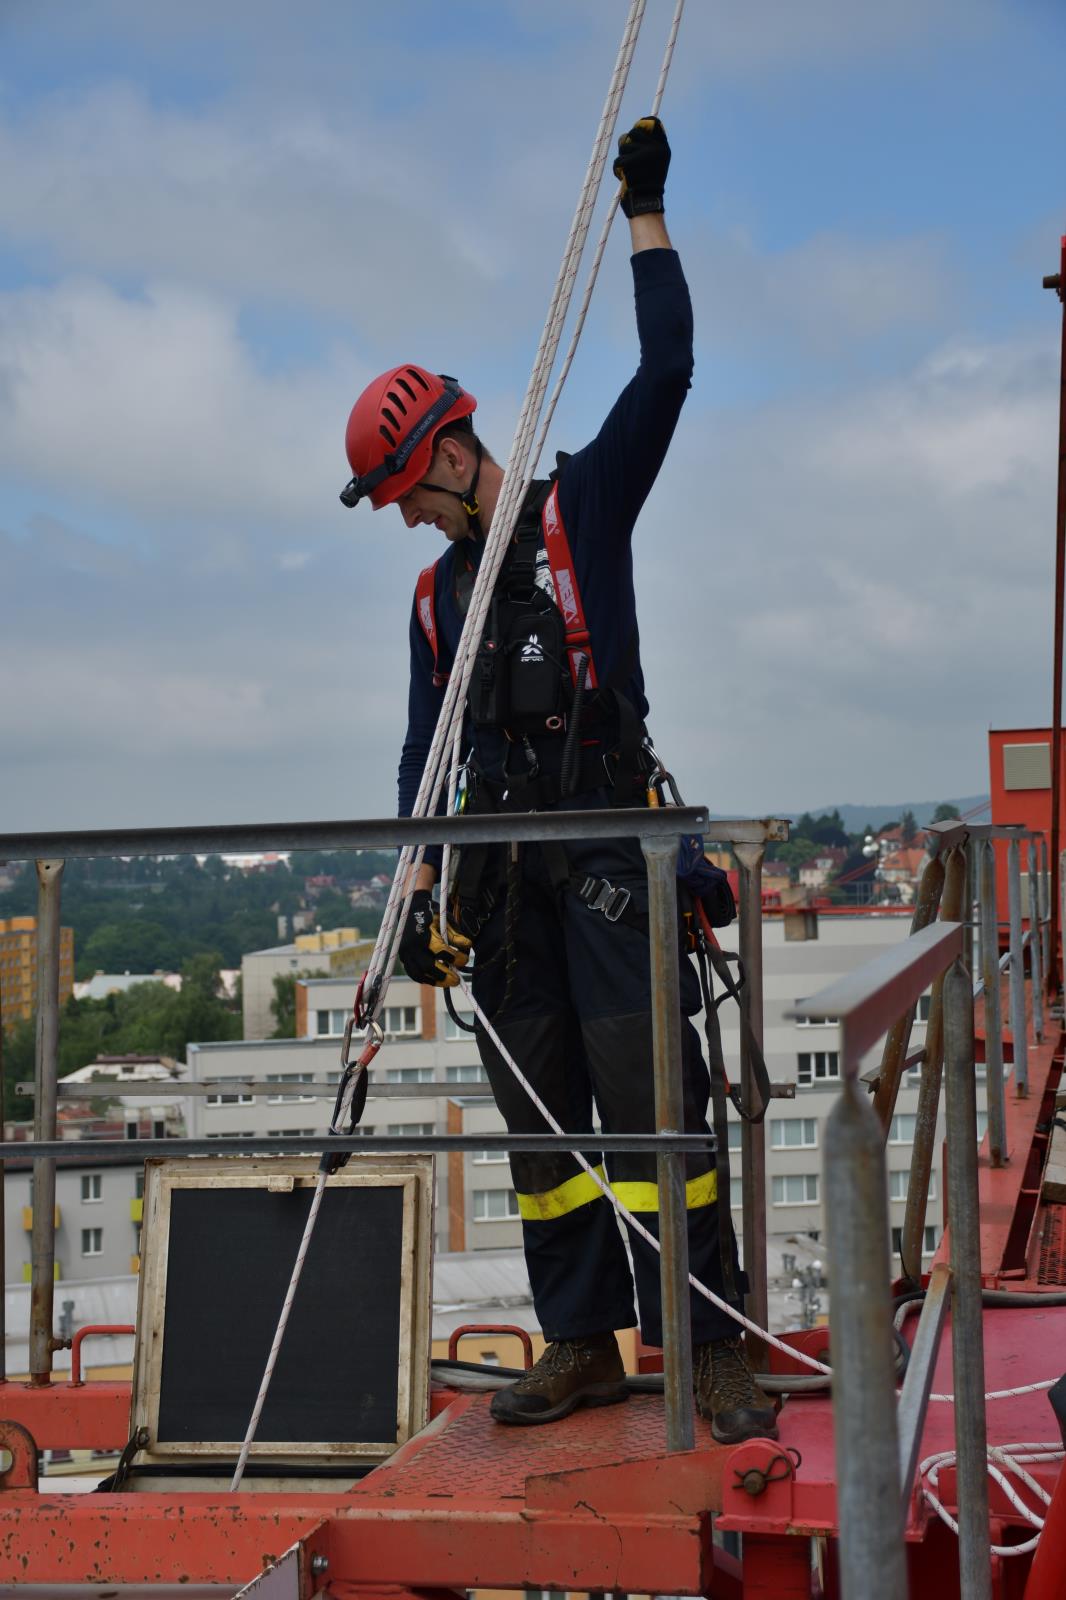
(570, 1373)
(727, 1394)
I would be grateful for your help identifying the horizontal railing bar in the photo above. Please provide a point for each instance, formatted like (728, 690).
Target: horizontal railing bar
(313, 1143)
(463, 1090)
(256, 1086)
(869, 1000)
(389, 833)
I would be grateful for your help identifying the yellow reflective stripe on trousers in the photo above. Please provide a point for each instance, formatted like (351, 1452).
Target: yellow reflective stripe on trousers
(576, 1191)
(701, 1191)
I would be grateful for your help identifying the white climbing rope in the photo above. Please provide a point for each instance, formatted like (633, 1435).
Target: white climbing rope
(1001, 1460)
(444, 747)
(279, 1334)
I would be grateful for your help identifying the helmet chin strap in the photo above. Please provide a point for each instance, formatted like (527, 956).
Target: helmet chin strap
(467, 498)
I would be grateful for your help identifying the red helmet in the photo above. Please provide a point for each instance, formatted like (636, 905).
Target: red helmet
(391, 430)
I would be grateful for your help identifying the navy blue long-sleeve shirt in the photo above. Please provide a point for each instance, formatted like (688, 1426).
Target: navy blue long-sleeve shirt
(601, 491)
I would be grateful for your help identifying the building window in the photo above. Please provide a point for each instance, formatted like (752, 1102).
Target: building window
(230, 1133)
(138, 1186)
(736, 1193)
(131, 1130)
(814, 1022)
(469, 1072)
(409, 1075)
(229, 1099)
(297, 1133)
(495, 1205)
(401, 1019)
(793, 1133)
(159, 1130)
(288, 1077)
(929, 1240)
(901, 1129)
(736, 1135)
(322, 1022)
(925, 1001)
(899, 1180)
(91, 1187)
(452, 1029)
(92, 1241)
(415, 1130)
(817, 1066)
(489, 1158)
(796, 1189)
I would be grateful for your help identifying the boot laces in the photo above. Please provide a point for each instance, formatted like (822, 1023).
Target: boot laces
(558, 1358)
(729, 1376)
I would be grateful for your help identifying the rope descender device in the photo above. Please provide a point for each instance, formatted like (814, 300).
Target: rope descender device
(350, 1103)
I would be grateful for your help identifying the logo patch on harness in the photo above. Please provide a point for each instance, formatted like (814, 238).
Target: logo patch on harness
(531, 650)
(564, 588)
(425, 614)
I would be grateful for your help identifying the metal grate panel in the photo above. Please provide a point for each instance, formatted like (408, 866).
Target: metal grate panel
(1052, 1270)
(474, 1456)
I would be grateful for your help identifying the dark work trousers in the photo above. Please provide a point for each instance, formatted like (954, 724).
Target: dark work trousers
(578, 1023)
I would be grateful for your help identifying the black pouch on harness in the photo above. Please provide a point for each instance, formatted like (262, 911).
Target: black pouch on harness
(537, 676)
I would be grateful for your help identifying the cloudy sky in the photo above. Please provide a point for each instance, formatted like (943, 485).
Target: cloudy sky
(218, 221)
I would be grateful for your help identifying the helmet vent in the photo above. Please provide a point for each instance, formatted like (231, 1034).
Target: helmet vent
(397, 401)
(413, 372)
(403, 384)
(387, 436)
(390, 417)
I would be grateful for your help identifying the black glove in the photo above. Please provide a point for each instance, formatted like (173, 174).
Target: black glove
(424, 955)
(642, 164)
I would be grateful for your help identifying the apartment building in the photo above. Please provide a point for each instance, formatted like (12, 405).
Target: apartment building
(476, 1207)
(18, 967)
(98, 1216)
(337, 952)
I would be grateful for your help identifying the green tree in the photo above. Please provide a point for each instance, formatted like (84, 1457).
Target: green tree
(908, 827)
(283, 1006)
(946, 812)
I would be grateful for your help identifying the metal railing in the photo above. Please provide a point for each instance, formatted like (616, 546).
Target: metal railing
(658, 831)
(877, 1441)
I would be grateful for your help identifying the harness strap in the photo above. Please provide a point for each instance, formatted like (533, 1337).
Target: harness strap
(426, 612)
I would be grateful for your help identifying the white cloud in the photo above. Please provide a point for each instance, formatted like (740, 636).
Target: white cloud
(876, 584)
(155, 402)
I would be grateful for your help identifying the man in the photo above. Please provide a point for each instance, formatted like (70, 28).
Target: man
(555, 718)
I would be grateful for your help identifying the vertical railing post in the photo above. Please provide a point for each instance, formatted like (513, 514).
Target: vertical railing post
(967, 1327)
(660, 855)
(753, 1134)
(924, 1148)
(997, 1106)
(1036, 954)
(1062, 927)
(926, 906)
(872, 1559)
(1045, 910)
(1018, 1025)
(969, 901)
(3, 1210)
(43, 1235)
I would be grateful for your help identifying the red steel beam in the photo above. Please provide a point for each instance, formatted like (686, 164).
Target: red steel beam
(63, 1416)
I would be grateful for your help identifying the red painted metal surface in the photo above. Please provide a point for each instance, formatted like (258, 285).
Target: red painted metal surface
(62, 1416)
(21, 1471)
(88, 1332)
(591, 1503)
